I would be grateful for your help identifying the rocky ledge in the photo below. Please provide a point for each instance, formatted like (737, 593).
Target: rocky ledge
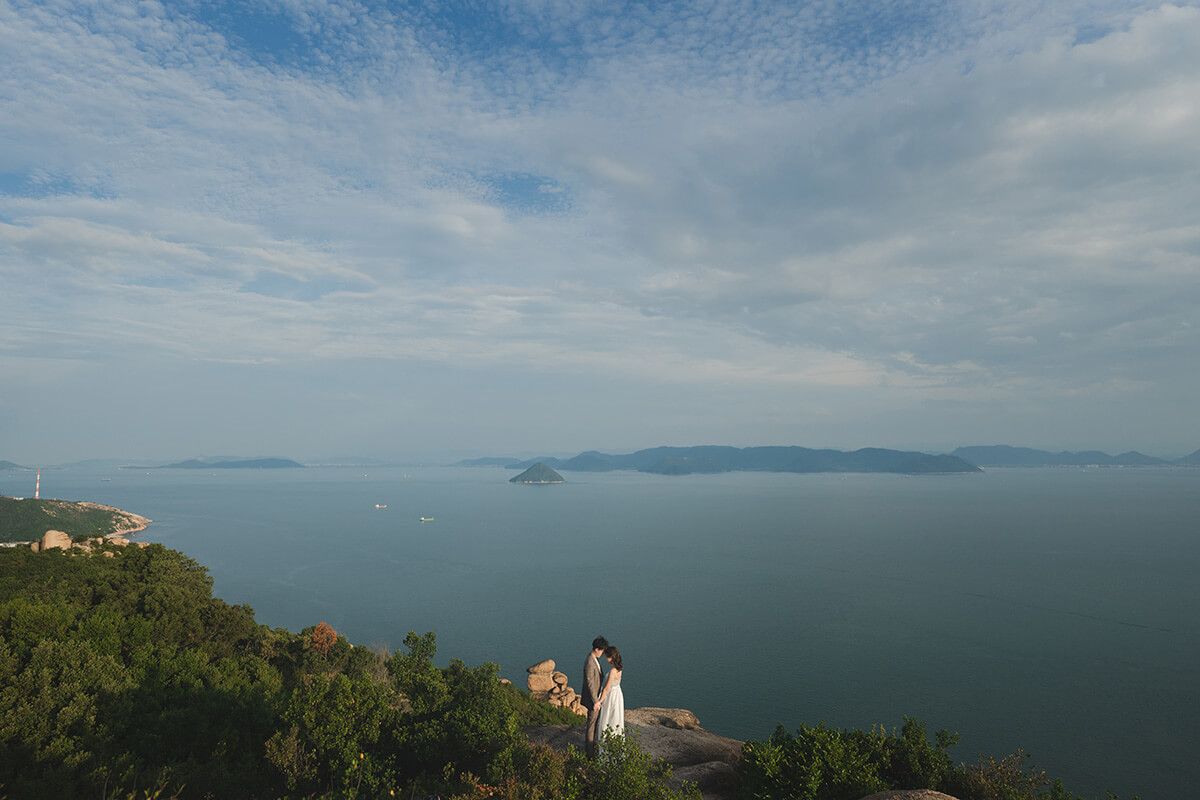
(57, 540)
(672, 734)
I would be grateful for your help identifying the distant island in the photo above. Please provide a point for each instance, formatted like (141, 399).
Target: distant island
(8, 466)
(1003, 455)
(246, 463)
(715, 459)
(538, 473)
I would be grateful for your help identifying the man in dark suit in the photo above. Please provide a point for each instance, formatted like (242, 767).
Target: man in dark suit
(593, 682)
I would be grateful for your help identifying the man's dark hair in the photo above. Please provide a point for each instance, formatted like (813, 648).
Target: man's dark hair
(599, 643)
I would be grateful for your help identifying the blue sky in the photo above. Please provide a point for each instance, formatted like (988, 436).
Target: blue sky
(425, 231)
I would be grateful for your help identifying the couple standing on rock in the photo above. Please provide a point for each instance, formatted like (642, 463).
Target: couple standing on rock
(605, 707)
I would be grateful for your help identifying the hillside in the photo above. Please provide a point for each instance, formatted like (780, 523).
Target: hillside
(538, 473)
(124, 677)
(26, 520)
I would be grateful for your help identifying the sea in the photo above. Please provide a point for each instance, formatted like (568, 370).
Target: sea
(1048, 610)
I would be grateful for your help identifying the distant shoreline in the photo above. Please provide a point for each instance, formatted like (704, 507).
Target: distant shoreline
(68, 516)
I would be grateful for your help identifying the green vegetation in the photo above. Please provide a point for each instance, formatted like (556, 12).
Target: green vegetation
(821, 763)
(121, 673)
(123, 677)
(27, 520)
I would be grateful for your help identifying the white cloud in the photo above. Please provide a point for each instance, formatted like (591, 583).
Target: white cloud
(759, 195)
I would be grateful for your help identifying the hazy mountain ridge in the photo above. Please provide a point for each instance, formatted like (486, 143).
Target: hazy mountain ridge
(1003, 455)
(242, 463)
(721, 458)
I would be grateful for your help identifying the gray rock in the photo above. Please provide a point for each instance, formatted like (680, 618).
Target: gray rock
(673, 735)
(678, 718)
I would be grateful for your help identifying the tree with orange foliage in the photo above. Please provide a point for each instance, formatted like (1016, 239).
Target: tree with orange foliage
(324, 637)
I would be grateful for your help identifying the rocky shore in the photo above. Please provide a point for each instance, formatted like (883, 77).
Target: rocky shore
(125, 523)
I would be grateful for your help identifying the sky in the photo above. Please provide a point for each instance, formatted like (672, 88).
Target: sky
(425, 231)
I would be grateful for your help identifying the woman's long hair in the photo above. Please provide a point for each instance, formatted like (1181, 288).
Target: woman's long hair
(611, 652)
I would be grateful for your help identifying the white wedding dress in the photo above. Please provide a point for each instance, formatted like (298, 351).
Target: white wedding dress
(612, 712)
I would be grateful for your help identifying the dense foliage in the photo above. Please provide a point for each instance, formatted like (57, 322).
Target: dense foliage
(822, 763)
(123, 673)
(123, 677)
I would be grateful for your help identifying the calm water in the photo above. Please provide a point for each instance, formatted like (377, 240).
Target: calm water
(1052, 610)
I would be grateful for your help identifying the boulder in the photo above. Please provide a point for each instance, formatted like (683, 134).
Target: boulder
(542, 667)
(53, 539)
(560, 678)
(541, 682)
(678, 718)
(502, 680)
(35, 546)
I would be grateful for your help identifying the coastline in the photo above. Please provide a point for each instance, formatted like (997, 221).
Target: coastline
(134, 523)
(125, 523)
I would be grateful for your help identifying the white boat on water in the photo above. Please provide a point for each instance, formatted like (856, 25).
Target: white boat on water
(381, 505)
(426, 519)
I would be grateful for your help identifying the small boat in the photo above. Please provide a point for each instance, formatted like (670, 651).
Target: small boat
(381, 505)
(426, 519)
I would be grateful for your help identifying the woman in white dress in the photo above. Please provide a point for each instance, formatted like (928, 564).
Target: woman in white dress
(612, 701)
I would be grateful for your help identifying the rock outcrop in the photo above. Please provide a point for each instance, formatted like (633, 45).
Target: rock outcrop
(672, 734)
(547, 683)
(57, 540)
(52, 540)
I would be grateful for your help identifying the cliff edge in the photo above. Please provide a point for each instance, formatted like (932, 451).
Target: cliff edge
(672, 734)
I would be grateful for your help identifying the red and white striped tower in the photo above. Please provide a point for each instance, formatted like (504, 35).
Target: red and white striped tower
(37, 486)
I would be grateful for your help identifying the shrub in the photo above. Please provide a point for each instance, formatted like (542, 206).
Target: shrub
(531, 772)
(1006, 779)
(911, 761)
(529, 711)
(624, 771)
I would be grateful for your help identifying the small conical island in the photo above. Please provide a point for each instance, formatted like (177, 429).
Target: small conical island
(538, 473)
